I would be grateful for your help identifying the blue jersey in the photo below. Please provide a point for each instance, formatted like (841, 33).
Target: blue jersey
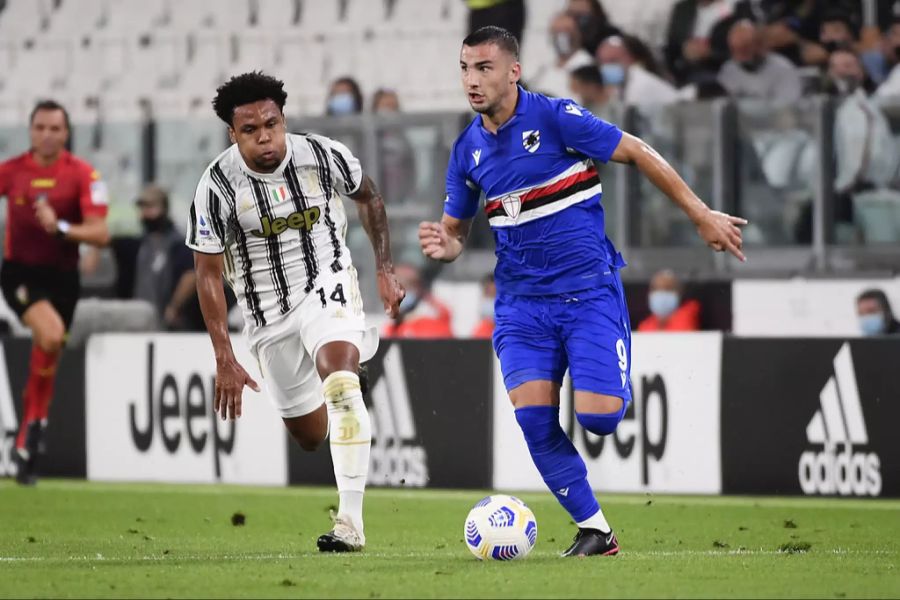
(542, 194)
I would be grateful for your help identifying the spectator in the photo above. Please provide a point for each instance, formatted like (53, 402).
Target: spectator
(668, 312)
(875, 314)
(697, 39)
(592, 22)
(864, 146)
(586, 86)
(884, 56)
(837, 31)
(421, 314)
(552, 78)
(882, 66)
(792, 29)
(397, 167)
(344, 98)
(864, 150)
(630, 73)
(508, 14)
(753, 72)
(164, 267)
(485, 327)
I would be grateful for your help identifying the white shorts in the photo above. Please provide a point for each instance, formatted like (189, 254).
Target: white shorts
(286, 350)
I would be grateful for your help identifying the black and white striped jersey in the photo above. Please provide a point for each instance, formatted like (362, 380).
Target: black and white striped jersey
(279, 231)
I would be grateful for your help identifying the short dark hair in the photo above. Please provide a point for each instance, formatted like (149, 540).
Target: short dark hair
(247, 89)
(877, 295)
(494, 35)
(587, 74)
(49, 105)
(841, 16)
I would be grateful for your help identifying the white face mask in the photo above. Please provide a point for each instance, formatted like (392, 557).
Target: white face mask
(663, 302)
(872, 323)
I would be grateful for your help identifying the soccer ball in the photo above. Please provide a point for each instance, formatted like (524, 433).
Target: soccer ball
(500, 527)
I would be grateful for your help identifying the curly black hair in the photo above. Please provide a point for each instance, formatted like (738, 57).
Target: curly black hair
(246, 89)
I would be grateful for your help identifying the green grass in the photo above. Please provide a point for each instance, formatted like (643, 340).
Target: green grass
(68, 538)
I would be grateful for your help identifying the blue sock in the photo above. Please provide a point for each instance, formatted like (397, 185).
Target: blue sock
(557, 460)
(602, 424)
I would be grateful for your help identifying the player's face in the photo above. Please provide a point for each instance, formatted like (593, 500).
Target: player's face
(259, 131)
(49, 133)
(489, 75)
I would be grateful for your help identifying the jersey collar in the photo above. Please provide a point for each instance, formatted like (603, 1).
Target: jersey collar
(61, 159)
(276, 174)
(521, 108)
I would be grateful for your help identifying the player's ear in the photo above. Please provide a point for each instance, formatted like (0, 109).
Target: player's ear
(516, 72)
(231, 135)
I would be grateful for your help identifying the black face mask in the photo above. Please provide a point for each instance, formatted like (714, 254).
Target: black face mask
(155, 225)
(832, 46)
(752, 66)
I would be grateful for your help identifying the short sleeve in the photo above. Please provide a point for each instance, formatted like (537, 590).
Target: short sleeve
(92, 193)
(207, 221)
(582, 132)
(347, 172)
(462, 193)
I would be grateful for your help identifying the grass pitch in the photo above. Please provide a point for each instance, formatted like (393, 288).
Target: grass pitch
(78, 539)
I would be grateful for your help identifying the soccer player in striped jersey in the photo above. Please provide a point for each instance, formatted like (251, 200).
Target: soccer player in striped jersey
(560, 303)
(268, 216)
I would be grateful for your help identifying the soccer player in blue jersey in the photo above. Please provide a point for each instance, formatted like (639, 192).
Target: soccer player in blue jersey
(560, 303)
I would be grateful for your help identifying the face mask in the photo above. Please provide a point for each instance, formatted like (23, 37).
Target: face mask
(486, 308)
(871, 324)
(752, 65)
(586, 24)
(663, 303)
(612, 73)
(342, 104)
(409, 302)
(562, 42)
(154, 225)
(832, 45)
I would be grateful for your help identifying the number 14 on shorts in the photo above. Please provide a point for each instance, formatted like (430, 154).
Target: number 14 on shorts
(336, 296)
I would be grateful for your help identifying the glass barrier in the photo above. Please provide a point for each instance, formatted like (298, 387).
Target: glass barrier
(183, 149)
(117, 151)
(683, 134)
(777, 170)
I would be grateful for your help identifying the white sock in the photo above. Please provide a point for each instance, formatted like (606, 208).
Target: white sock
(598, 522)
(350, 439)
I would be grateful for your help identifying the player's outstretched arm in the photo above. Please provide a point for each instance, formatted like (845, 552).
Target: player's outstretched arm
(444, 241)
(230, 375)
(720, 231)
(370, 205)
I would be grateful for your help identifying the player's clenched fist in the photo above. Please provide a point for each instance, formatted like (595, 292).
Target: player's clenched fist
(436, 243)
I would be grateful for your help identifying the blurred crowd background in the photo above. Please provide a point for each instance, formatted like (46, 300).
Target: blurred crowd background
(786, 112)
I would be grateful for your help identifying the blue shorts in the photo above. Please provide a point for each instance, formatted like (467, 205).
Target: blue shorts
(586, 332)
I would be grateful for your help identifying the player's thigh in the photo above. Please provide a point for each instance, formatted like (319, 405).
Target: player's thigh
(528, 347)
(333, 325)
(289, 375)
(598, 345)
(535, 393)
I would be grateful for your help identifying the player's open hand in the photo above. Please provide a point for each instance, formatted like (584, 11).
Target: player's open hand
(46, 216)
(391, 291)
(230, 381)
(722, 232)
(435, 241)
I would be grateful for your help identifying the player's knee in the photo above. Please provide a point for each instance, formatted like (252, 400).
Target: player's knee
(52, 341)
(601, 423)
(308, 442)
